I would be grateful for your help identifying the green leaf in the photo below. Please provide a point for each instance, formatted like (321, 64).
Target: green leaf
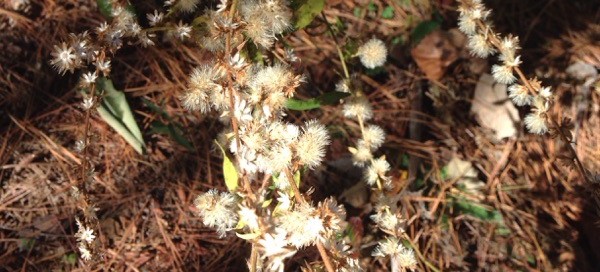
(306, 11)
(105, 7)
(422, 30)
(388, 13)
(229, 172)
(70, 258)
(329, 98)
(115, 111)
(175, 133)
(483, 213)
(26, 244)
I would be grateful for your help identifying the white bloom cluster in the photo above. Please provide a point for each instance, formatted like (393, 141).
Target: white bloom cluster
(402, 257)
(86, 49)
(483, 42)
(85, 237)
(265, 20)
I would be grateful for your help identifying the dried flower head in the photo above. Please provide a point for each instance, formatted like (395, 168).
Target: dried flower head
(201, 84)
(310, 148)
(218, 210)
(480, 46)
(373, 53)
(358, 107)
(519, 95)
(373, 136)
(403, 257)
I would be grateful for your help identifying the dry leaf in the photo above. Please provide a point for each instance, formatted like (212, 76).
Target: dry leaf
(494, 109)
(434, 54)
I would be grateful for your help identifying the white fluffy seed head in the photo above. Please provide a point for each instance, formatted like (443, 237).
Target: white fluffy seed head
(518, 94)
(218, 211)
(310, 148)
(201, 84)
(480, 46)
(187, 6)
(303, 225)
(358, 107)
(377, 170)
(373, 53)
(361, 154)
(536, 123)
(373, 136)
(503, 74)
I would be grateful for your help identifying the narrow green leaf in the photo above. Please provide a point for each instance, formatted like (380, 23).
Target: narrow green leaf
(115, 111)
(306, 11)
(229, 172)
(329, 98)
(158, 127)
(483, 213)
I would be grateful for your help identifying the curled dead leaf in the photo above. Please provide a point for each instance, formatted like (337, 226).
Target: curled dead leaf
(434, 54)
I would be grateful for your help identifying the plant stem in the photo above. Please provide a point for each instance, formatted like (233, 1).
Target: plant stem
(325, 257)
(253, 258)
(571, 150)
(337, 46)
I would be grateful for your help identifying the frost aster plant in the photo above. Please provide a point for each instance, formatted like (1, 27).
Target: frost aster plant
(483, 42)
(386, 214)
(263, 204)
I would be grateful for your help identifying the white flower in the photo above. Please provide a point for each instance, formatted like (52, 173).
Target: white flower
(343, 86)
(103, 66)
(84, 233)
(545, 92)
(155, 18)
(275, 249)
(182, 30)
(248, 216)
(243, 111)
(89, 78)
(64, 58)
(87, 103)
(403, 257)
(373, 53)
(85, 253)
(221, 6)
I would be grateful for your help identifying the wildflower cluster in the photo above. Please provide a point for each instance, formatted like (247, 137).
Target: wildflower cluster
(386, 213)
(85, 237)
(250, 98)
(484, 42)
